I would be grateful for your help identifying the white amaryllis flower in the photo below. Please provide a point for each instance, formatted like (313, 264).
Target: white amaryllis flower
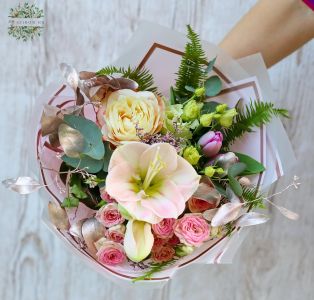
(123, 111)
(151, 182)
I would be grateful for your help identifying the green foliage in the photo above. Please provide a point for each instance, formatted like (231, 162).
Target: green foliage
(235, 186)
(229, 228)
(70, 202)
(85, 162)
(192, 70)
(252, 165)
(213, 86)
(154, 268)
(255, 114)
(142, 76)
(94, 146)
(76, 188)
(252, 197)
(236, 169)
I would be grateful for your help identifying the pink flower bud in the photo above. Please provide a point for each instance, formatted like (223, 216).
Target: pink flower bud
(211, 143)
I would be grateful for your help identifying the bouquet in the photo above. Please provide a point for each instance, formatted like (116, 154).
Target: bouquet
(144, 181)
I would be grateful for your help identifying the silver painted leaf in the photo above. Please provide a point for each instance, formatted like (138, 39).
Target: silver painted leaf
(226, 213)
(207, 193)
(70, 74)
(250, 219)
(209, 214)
(76, 229)
(288, 213)
(58, 216)
(92, 231)
(22, 185)
(71, 140)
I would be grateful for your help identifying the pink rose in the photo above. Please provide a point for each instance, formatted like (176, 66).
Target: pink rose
(111, 254)
(164, 229)
(105, 196)
(192, 230)
(196, 205)
(116, 233)
(162, 254)
(211, 143)
(109, 215)
(174, 240)
(158, 242)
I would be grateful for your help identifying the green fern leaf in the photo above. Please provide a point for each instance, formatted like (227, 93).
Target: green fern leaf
(252, 197)
(254, 115)
(192, 70)
(142, 76)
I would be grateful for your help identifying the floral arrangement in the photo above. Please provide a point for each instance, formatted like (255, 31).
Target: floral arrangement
(157, 173)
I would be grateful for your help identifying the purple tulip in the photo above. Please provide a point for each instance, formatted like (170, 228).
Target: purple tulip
(211, 143)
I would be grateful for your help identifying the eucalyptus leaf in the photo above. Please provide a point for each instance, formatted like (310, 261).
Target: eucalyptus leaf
(71, 140)
(84, 162)
(252, 165)
(108, 153)
(213, 86)
(94, 146)
(235, 186)
(236, 169)
(209, 107)
(210, 65)
(22, 185)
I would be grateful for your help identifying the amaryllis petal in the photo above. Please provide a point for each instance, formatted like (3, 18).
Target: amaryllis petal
(130, 153)
(188, 184)
(118, 183)
(138, 240)
(166, 204)
(168, 154)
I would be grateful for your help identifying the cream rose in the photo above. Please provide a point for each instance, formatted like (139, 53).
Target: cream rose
(124, 110)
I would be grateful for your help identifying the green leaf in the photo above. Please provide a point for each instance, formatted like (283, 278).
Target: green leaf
(254, 115)
(235, 186)
(76, 187)
(189, 88)
(213, 86)
(172, 96)
(220, 189)
(210, 65)
(209, 107)
(236, 169)
(85, 162)
(70, 202)
(108, 153)
(94, 146)
(252, 165)
(192, 67)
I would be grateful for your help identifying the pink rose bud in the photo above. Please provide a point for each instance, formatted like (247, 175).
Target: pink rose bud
(111, 254)
(211, 143)
(109, 215)
(116, 233)
(192, 230)
(164, 229)
(162, 254)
